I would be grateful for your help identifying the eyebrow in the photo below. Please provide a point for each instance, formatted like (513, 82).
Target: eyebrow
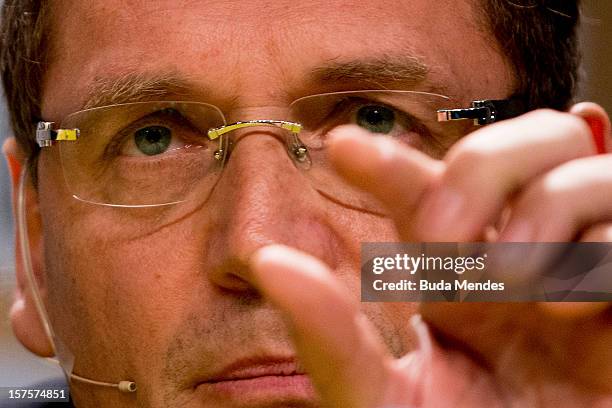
(379, 72)
(135, 87)
(403, 72)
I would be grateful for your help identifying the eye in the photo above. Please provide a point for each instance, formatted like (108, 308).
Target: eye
(408, 117)
(376, 118)
(382, 119)
(159, 133)
(153, 140)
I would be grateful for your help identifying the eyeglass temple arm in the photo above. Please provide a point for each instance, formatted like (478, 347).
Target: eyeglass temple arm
(486, 111)
(482, 112)
(290, 126)
(46, 135)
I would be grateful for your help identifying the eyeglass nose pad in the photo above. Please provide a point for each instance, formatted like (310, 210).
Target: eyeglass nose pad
(222, 153)
(298, 151)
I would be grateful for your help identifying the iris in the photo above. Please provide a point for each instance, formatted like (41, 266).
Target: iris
(153, 140)
(376, 118)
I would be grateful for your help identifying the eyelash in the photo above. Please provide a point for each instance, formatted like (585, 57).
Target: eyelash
(171, 119)
(344, 109)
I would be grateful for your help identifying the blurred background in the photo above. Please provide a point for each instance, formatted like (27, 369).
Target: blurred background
(20, 368)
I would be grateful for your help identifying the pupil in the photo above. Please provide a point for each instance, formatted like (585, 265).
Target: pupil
(376, 119)
(153, 140)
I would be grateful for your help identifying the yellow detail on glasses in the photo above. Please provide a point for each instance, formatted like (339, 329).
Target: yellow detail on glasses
(299, 150)
(292, 127)
(157, 153)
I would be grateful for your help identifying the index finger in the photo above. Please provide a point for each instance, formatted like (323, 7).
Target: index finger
(394, 173)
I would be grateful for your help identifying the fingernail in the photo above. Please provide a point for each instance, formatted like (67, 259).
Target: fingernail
(386, 148)
(347, 132)
(444, 211)
(358, 152)
(359, 139)
(342, 142)
(272, 253)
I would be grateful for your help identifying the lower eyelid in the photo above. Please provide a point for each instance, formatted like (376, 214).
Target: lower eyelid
(195, 137)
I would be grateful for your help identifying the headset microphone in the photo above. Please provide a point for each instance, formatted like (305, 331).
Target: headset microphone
(65, 358)
(123, 386)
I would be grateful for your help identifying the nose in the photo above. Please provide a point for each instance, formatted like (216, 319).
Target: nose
(263, 198)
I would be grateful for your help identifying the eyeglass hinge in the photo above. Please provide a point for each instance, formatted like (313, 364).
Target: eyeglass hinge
(485, 112)
(46, 135)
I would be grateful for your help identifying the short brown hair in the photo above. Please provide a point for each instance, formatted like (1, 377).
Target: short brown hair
(537, 37)
(24, 42)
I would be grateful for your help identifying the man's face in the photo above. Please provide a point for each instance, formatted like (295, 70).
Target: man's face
(163, 296)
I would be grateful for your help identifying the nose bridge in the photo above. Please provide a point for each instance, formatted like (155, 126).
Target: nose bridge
(286, 132)
(263, 198)
(262, 111)
(245, 126)
(260, 178)
(239, 123)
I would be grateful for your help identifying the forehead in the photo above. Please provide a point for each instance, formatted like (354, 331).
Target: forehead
(260, 51)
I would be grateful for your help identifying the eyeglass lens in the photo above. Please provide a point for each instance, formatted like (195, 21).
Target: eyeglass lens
(158, 153)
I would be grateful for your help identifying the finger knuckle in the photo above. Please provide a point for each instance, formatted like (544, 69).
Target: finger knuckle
(471, 157)
(550, 197)
(571, 123)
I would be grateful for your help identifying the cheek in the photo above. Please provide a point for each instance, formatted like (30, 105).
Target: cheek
(391, 319)
(113, 301)
(356, 227)
(126, 302)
